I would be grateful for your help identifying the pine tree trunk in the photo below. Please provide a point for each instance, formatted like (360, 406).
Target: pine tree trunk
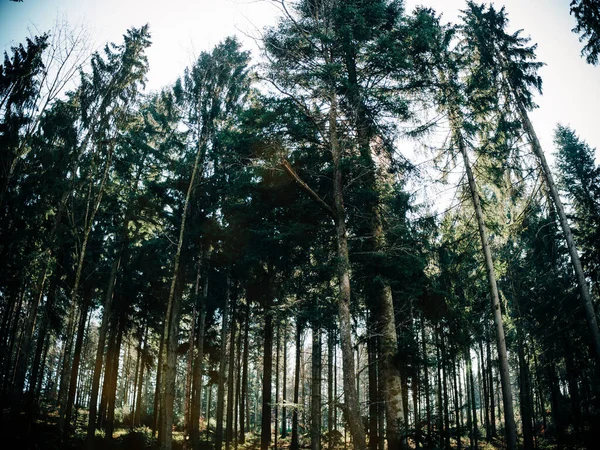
(472, 383)
(588, 307)
(284, 387)
(457, 415)
(76, 362)
(295, 441)
(230, 376)
(373, 391)
(113, 382)
(187, 400)
(136, 420)
(490, 381)
(201, 298)
(351, 406)
(426, 378)
(331, 402)
(244, 404)
(265, 431)
(440, 403)
(222, 370)
(277, 400)
(106, 315)
(446, 400)
(509, 418)
(525, 392)
(171, 322)
(315, 405)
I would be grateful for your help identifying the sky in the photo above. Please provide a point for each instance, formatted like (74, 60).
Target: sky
(181, 29)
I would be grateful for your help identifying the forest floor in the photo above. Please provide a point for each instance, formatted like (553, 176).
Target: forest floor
(44, 434)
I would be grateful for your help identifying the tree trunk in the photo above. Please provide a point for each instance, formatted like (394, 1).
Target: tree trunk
(588, 307)
(472, 383)
(201, 298)
(76, 362)
(230, 376)
(373, 391)
(315, 405)
(277, 369)
(244, 416)
(265, 431)
(284, 387)
(113, 381)
(140, 383)
(222, 370)
(171, 322)
(509, 418)
(295, 442)
(106, 315)
(426, 377)
(457, 415)
(351, 406)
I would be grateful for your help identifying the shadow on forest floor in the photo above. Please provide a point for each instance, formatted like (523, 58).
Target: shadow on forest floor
(44, 434)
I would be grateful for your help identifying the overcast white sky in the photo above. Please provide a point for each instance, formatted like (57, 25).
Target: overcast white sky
(183, 28)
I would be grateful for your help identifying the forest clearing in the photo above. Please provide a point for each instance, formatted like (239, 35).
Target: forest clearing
(252, 257)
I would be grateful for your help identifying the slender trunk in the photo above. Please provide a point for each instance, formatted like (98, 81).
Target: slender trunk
(315, 405)
(490, 382)
(277, 400)
(171, 322)
(201, 298)
(140, 383)
(156, 402)
(351, 406)
(230, 375)
(244, 404)
(588, 307)
(222, 370)
(509, 418)
(457, 406)
(469, 405)
(295, 442)
(484, 384)
(76, 362)
(265, 431)
(106, 315)
(444, 359)
(284, 387)
(187, 400)
(440, 403)
(113, 377)
(373, 391)
(331, 403)
(472, 383)
(525, 392)
(238, 386)
(426, 377)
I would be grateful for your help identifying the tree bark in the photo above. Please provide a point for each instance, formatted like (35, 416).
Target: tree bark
(351, 406)
(315, 405)
(230, 376)
(222, 370)
(265, 430)
(76, 362)
(509, 418)
(295, 441)
(244, 404)
(201, 298)
(106, 315)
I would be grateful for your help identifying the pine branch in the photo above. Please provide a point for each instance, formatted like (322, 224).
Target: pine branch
(290, 170)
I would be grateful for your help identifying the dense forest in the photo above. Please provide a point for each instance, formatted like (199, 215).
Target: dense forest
(246, 259)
